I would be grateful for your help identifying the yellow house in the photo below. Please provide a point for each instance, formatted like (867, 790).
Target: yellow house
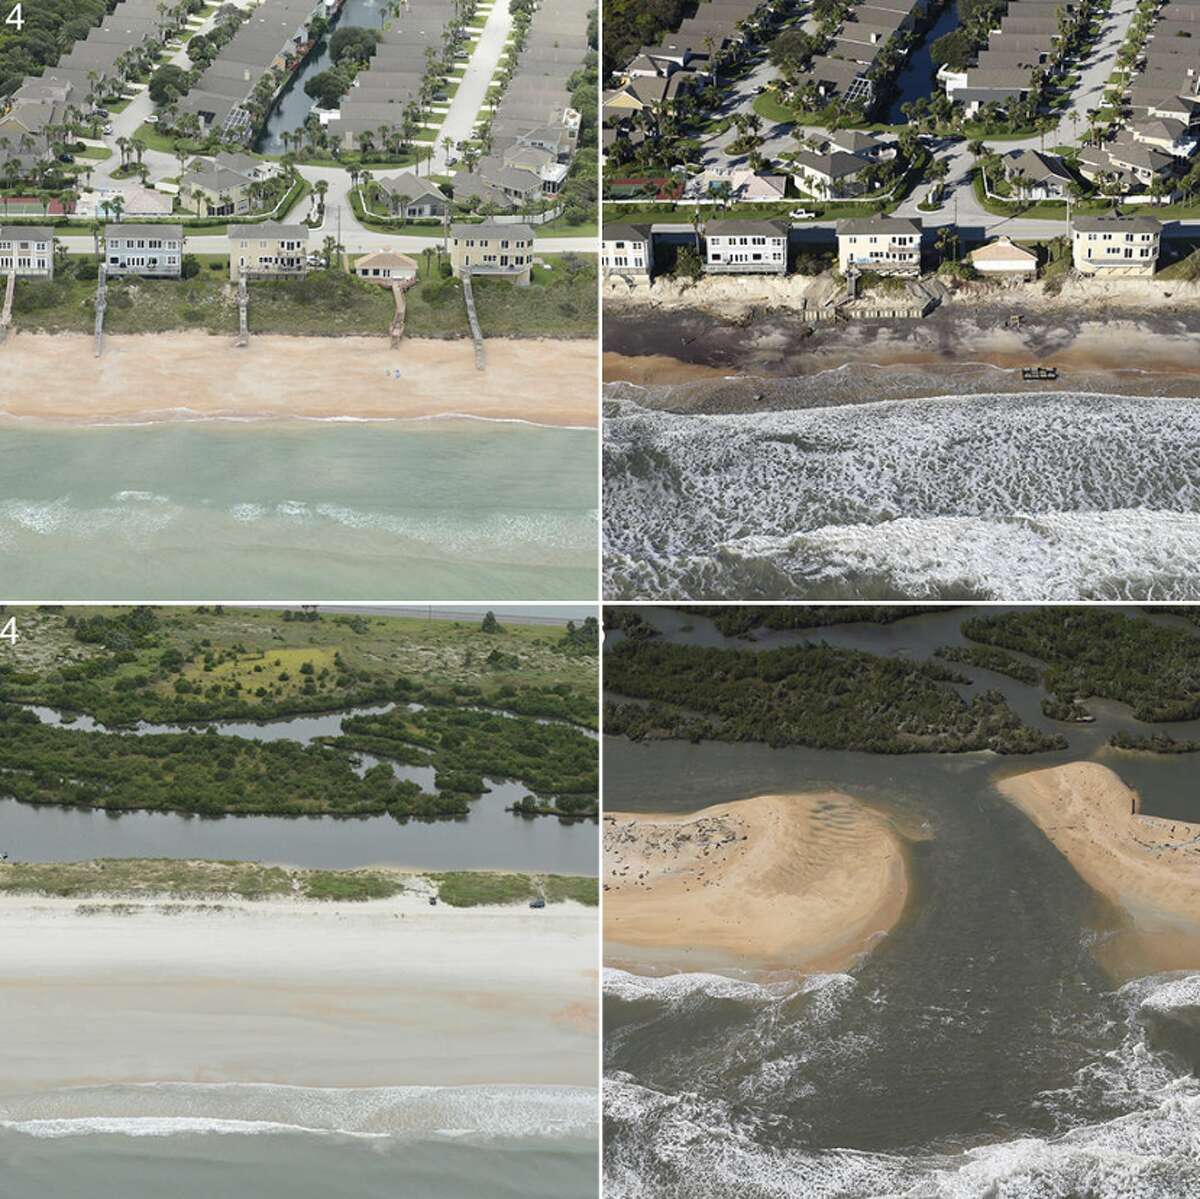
(268, 251)
(492, 249)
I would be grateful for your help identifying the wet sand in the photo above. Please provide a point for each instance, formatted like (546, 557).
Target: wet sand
(959, 349)
(307, 993)
(778, 882)
(179, 376)
(1147, 866)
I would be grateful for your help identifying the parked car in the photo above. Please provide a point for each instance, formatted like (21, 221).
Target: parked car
(316, 260)
(100, 112)
(66, 158)
(802, 214)
(152, 119)
(108, 128)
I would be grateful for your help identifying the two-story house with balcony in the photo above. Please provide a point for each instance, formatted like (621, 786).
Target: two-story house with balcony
(883, 244)
(148, 250)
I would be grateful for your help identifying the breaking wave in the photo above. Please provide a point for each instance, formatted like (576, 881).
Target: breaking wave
(1042, 497)
(1141, 1141)
(167, 1109)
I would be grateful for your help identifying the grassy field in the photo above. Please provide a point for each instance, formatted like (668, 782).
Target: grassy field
(444, 655)
(472, 888)
(134, 878)
(561, 303)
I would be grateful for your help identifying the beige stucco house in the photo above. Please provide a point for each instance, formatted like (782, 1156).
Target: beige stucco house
(1115, 246)
(268, 251)
(492, 249)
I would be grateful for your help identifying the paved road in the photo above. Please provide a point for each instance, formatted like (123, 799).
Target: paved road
(459, 122)
(356, 240)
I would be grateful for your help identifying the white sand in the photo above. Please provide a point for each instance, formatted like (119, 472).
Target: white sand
(390, 992)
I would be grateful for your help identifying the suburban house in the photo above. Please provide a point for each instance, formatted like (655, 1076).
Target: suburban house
(829, 176)
(1115, 246)
(413, 198)
(268, 251)
(745, 247)
(865, 145)
(1166, 134)
(492, 249)
(210, 189)
(144, 250)
(386, 267)
(1037, 176)
(627, 250)
(1001, 259)
(28, 250)
(883, 244)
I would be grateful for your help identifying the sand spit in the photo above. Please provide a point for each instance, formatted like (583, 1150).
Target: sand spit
(1148, 866)
(309, 993)
(55, 378)
(779, 881)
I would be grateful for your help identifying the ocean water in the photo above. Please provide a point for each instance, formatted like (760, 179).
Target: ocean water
(447, 509)
(196, 1140)
(983, 1050)
(1049, 496)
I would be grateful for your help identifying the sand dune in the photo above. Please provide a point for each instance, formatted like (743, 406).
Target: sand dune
(177, 375)
(388, 992)
(781, 881)
(1149, 867)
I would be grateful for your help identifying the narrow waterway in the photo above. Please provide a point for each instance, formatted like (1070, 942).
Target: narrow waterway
(293, 106)
(489, 837)
(917, 77)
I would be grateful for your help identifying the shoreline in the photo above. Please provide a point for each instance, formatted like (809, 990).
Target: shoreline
(54, 380)
(1133, 351)
(1148, 867)
(304, 993)
(804, 881)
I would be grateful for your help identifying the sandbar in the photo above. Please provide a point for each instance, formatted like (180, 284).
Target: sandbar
(1147, 866)
(56, 378)
(296, 991)
(779, 881)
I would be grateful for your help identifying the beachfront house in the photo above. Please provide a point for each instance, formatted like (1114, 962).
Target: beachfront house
(882, 244)
(1115, 246)
(268, 251)
(386, 267)
(492, 249)
(745, 247)
(28, 250)
(146, 250)
(627, 250)
(1003, 260)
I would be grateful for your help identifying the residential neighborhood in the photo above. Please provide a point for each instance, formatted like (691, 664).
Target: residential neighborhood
(270, 142)
(990, 140)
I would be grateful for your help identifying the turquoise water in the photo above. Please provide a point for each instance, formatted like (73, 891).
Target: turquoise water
(424, 510)
(196, 1141)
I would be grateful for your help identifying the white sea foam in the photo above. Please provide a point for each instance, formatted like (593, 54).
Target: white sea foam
(687, 1142)
(166, 1109)
(1028, 497)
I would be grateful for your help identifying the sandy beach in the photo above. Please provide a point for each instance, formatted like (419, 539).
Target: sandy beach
(778, 882)
(55, 378)
(382, 993)
(1125, 343)
(1147, 866)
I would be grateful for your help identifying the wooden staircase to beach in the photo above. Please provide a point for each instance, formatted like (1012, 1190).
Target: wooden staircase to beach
(101, 305)
(6, 313)
(476, 332)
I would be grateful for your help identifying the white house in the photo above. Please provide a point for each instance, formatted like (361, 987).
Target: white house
(148, 250)
(27, 249)
(883, 244)
(746, 247)
(627, 250)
